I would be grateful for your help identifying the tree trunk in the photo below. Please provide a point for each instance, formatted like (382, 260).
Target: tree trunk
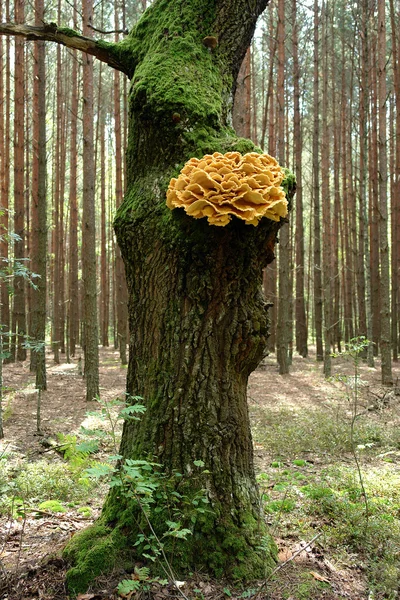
(326, 206)
(363, 179)
(336, 329)
(5, 99)
(373, 203)
(91, 348)
(386, 358)
(122, 295)
(300, 311)
(198, 321)
(104, 276)
(396, 192)
(73, 287)
(282, 348)
(316, 194)
(19, 316)
(241, 114)
(39, 207)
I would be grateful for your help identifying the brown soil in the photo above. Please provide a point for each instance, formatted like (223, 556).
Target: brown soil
(30, 564)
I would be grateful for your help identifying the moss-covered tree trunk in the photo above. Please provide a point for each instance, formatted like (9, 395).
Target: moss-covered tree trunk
(198, 320)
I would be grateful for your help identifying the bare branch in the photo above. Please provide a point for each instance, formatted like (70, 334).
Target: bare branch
(124, 31)
(113, 54)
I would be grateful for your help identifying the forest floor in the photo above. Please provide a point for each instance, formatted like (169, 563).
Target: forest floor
(305, 439)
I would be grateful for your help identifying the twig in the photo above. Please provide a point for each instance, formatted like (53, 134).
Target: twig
(172, 575)
(124, 31)
(283, 565)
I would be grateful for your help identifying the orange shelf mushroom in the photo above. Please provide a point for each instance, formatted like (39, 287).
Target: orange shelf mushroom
(218, 186)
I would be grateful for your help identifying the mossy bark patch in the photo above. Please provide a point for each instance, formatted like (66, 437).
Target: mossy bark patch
(96, 550)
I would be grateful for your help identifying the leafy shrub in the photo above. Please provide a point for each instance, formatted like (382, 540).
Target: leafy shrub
(41, 481)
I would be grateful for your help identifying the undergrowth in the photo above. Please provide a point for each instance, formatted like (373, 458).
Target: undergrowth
(335, 469)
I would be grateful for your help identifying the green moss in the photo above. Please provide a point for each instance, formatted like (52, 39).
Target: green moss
(175, 73)
(289, 185)
(68, 32)
(52, 506)
(96, 550)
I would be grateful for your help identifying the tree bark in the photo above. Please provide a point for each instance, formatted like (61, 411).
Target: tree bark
(316, 194)
(326, 206)
(241, 113)
(300, 311)
(73, 287)
(373, 202)
(19, 316)
(385, 342)
(396, 192)
(282, 347)
(122, 294)
(5, 186)
(91, 349)
(363, 180)
(39, 207)
(198, 322)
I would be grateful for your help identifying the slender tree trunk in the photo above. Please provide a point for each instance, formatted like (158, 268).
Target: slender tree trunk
(396, 191)
(386, 358)
(104, 278)
(241, 114)
(1, 369)
(5, 98)
(270, 278)
(122, 292)
(269, 98)
(301, 323)
(73, 287)
(284, 245)
(19, 315)
(345, 213)
(57, 227)
(373, 205)
(326, 201)
(38, 207)
(316, 193)
(363, 179)
(254, 87)
(91, 349)
(336, 333)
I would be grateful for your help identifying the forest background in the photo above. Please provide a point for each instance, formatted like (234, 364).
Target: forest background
(319, 88)
(330, 112)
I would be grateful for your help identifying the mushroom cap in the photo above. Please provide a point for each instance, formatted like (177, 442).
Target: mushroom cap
(218, 186)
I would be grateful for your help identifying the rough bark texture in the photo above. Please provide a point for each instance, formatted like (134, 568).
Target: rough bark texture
(300, 310)
(316, 194)
(39, 207)
(198, 320)
(5, 98)
(385, 341)
(283, 325)
(91, 349)
(19, 317)
(73, 287)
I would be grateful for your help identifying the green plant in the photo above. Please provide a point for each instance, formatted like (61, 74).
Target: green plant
(39, 482)
(354, 348)
(140, 580)
(52, 506)
(143, 484)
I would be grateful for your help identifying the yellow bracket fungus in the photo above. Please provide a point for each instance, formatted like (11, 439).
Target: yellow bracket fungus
(218, 186)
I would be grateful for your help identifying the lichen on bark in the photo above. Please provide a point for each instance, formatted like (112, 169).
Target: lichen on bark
(198, 320)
